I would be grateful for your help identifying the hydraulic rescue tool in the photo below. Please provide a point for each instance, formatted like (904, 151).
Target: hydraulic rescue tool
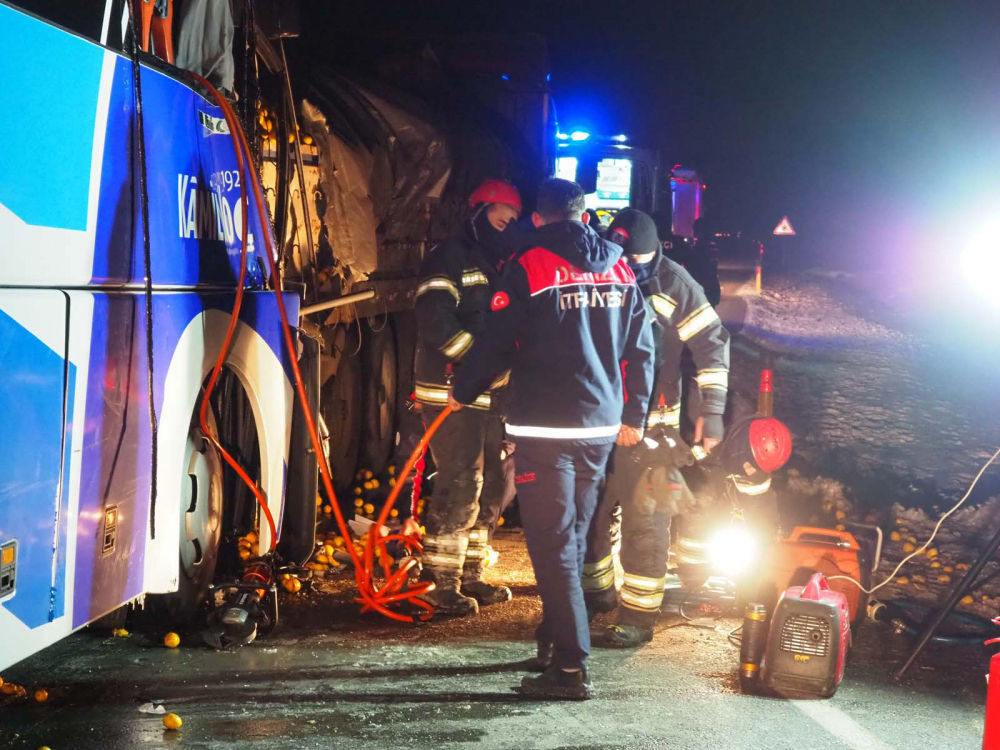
(251, 609)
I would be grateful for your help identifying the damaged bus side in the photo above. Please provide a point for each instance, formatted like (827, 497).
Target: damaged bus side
(82, 531)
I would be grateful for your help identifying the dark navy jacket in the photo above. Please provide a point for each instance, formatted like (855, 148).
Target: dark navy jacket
(568, 320)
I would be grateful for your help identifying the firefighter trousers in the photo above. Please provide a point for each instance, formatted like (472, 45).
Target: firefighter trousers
(560, 484)
(646, 513)
(598, 579)
(646, 520)
(468, 492)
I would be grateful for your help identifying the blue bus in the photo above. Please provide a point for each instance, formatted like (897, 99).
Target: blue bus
(79, 533)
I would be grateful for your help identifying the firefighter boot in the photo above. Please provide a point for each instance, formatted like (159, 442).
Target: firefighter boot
(600, 602)
(473, 584)
(559, 684)
(627, 635)
(486, 593)
(442, 559)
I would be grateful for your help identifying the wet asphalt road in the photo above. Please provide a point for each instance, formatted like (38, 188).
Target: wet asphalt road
(329, 679)
(326, 679)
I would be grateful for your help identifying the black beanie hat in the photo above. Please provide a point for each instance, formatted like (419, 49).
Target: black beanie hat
(639, 229)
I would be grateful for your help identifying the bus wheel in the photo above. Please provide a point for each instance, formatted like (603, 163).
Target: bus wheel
(340, 408)
(380, 398)
(201, 522)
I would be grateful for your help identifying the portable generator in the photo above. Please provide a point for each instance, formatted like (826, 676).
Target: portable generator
(808, 641)
(808, 550)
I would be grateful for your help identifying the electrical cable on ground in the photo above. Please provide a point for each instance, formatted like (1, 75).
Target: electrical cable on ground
(926, 544)
(396, 588)
(733, 637)
(976, 628)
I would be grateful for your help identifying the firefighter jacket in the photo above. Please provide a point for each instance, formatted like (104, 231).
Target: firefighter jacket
(683, 317)
(569, 320)
(452, 301)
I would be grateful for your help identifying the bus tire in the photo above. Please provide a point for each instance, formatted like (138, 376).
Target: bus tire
(340, 407)
(380, 380)
(201, 523)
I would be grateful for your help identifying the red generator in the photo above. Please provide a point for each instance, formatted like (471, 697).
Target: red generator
(811, 550)
(808, 641)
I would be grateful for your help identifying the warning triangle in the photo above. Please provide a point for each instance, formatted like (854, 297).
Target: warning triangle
(785, 227)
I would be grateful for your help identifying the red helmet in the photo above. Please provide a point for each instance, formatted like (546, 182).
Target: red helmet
(771, 443)
(496, 191)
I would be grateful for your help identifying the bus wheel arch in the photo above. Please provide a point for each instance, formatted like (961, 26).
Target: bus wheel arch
(254, 371)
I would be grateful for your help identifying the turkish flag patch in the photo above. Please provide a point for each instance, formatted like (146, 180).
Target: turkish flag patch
(500, 301)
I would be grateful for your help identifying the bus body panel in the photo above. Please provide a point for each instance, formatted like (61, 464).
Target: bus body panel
(75, 199)
(75, 512)
(64, 581)
(33, 393)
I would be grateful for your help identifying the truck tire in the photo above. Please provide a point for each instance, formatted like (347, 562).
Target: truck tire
(380, 379)
(298, 524)
(340, 406)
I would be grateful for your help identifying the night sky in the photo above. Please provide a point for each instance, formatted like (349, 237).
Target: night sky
(875, 126)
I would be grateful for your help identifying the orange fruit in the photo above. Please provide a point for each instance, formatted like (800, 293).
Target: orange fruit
(172, 721)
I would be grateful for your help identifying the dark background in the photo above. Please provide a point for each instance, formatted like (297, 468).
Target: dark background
(873, 125)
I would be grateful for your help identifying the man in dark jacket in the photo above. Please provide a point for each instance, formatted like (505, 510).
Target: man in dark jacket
(683, 318)
(569, 321)
(453, 299)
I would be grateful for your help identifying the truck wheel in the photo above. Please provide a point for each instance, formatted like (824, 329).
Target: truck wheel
(201, 522)
(379, 368)
(340, 407)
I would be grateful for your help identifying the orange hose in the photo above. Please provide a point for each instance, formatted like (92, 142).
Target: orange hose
(394, 590)
(233, 124)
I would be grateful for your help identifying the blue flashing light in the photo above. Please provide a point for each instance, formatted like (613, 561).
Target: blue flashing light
(579, 135)
(505, 77)
(548, 77)
(562, 136)
(620, 138)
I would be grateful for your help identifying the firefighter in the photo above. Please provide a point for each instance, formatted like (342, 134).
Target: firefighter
(453, 299)
(566, 319)
(736, 481)
(683, 317)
